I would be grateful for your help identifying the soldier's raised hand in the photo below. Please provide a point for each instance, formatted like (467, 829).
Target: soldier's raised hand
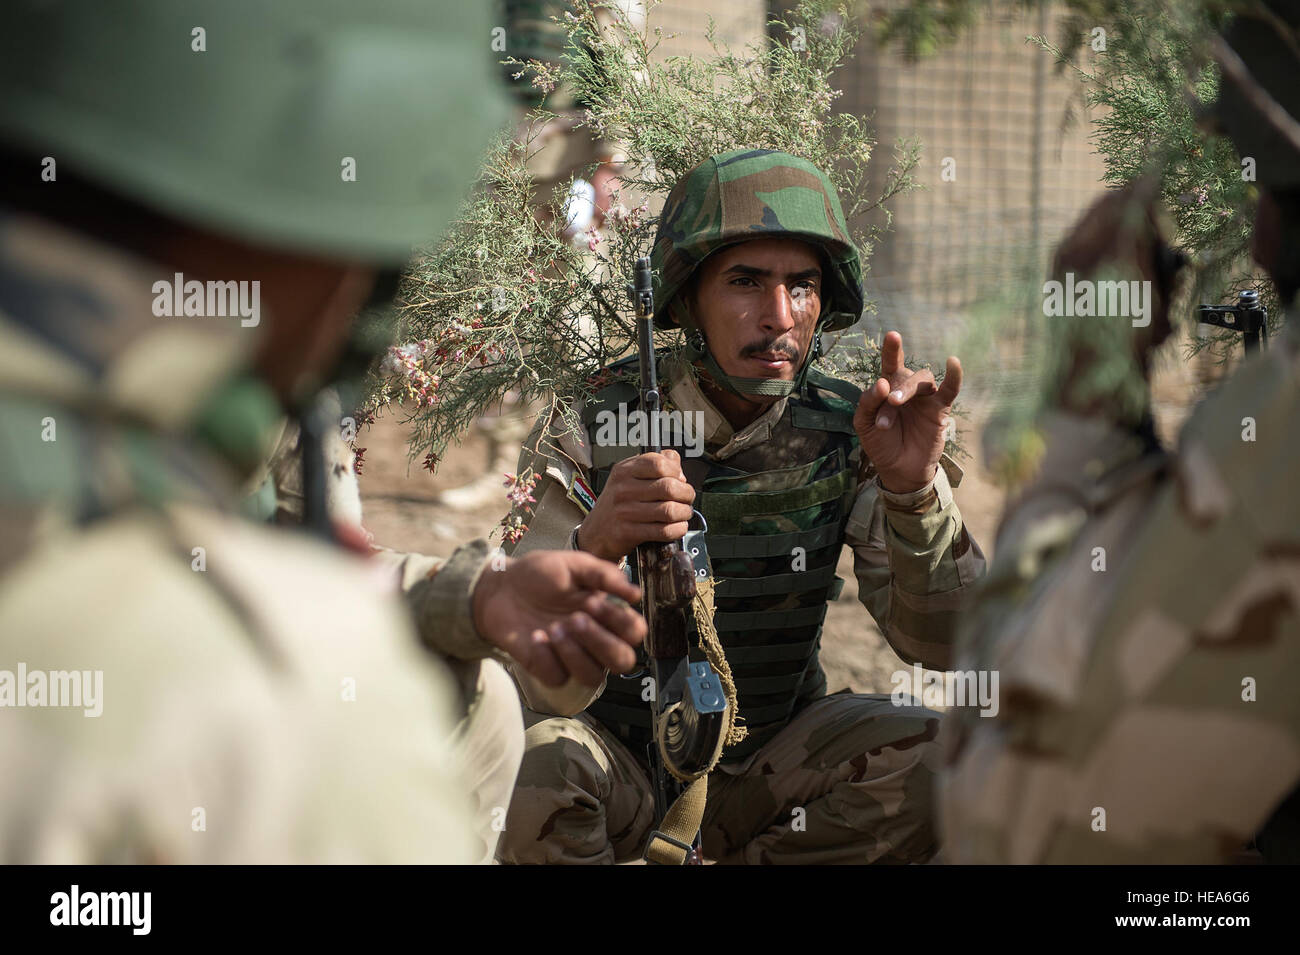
(902, 420)
(647, 498)
(550, 610)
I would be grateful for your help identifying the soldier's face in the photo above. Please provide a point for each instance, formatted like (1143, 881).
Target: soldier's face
(757, 304)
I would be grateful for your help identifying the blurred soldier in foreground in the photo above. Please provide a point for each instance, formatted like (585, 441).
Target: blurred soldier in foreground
(753, 260)
(197, 201)
(1143, 607)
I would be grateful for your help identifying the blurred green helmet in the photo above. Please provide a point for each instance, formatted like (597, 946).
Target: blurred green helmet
(754, 194)
(338, 128)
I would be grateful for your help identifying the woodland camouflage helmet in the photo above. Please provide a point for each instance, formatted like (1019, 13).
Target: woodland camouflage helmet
(753, 194)
(243, 116)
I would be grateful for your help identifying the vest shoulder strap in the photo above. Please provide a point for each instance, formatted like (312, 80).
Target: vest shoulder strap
(818, 419)
(622, 390)
(827, 404)
(608, 399)
(845, 391)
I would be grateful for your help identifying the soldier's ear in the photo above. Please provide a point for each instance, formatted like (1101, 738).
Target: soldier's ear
(680, 312)
(682, 309)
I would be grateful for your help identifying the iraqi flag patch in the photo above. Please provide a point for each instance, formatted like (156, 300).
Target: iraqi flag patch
(581, 494)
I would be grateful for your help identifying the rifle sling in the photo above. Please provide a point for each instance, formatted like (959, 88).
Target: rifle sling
(679, 826)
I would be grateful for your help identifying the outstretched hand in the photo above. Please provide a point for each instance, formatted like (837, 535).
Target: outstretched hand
(552, 612)
(902, 421)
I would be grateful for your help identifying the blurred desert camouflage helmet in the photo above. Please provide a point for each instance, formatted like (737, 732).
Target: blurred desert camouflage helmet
(242, 116)
(753, 194)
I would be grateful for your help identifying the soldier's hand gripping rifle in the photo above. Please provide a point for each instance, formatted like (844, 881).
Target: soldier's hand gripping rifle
(688, 705)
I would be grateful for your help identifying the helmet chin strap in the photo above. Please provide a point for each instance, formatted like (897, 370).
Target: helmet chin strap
(697, 350)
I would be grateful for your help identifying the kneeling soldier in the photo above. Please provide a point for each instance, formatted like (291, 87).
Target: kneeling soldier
(754, 260)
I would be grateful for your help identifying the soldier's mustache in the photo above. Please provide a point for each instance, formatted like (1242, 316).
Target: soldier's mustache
(786, 349)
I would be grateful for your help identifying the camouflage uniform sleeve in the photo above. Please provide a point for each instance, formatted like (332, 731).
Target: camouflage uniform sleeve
(1143, 615)
(915, 564)
(551, 526)
(439, 592)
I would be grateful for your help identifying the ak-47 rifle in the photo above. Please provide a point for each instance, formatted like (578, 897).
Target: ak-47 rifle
(688, 707)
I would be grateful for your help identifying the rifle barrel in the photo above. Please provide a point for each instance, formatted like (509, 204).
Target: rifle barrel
(643, 299)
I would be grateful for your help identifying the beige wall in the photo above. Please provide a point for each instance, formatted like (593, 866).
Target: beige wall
(737, 22)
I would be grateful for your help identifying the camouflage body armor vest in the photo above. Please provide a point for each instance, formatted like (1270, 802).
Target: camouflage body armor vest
(776, 515)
